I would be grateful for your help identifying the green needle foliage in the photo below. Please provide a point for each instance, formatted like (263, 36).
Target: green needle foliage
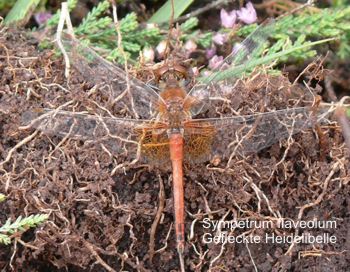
(134, 39)
(20, 225)
(294, 38)
(189, 33)
(53, 21)
(237, 71)
(92, 23)
(296, 30)
(98, 31)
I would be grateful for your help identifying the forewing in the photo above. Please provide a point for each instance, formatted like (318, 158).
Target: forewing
(135, 139)
(141, 99)
(243, 135)
(234, 65)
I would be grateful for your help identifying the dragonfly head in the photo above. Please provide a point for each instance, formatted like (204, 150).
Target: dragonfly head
(171, 75)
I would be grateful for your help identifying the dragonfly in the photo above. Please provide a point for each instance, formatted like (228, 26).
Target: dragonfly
(162, 126)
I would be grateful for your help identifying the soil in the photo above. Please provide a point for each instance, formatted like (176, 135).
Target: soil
(98, 221)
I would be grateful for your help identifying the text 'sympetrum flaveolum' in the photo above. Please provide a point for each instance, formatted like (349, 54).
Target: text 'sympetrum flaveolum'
(165, 128)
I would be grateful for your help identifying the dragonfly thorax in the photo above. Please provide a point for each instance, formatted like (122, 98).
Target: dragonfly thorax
(174, 112)
(172, 107)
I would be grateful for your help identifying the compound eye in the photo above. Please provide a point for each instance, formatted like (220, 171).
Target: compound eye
(179, 76)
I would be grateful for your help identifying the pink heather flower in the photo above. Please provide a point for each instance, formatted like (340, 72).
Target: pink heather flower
(41, 17)
(215, 62)
(209, 53)
(190, 46)
(195, 71)
(161, 48)
(220, 39)
(207, 73)
(150, 25)
(228, 19)
(148, 54)
(248, 14)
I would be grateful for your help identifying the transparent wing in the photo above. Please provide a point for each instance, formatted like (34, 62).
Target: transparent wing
(245, 134)
(131, 137)
(141, 99)
(237, 62)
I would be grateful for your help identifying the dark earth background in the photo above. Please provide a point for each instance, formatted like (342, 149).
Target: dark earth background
(98, 219)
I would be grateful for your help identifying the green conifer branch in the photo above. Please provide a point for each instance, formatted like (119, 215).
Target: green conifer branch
(20, 225)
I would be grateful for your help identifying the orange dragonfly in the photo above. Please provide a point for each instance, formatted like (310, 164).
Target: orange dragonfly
(164, 128)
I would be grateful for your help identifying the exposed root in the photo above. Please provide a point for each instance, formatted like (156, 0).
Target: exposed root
(161, 199)
(99, 260)
(335, 168)
(251, 257)
(21, 143)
